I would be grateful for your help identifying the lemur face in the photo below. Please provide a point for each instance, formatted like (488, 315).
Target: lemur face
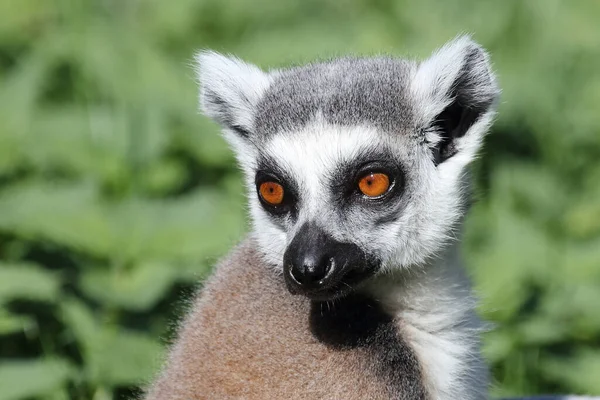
(353, 166)
(344, 190)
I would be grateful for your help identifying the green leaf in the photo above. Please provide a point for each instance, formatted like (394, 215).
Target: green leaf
(542, 330)
(582, 372)
(583, 218)
(516, 254)
(124, 357)
(25, 379)
(11, 323)
(27, 282)
(80, 320)
(67, 215)
(498, 344)
(137, 288)
(113, 356)
(190, 227)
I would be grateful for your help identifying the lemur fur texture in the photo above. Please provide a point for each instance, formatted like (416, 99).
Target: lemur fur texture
(349, 285)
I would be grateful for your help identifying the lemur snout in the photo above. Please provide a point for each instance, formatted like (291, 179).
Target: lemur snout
(311, 269)
(320, 267)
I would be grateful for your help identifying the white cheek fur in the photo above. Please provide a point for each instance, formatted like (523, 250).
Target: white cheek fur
(424, 227)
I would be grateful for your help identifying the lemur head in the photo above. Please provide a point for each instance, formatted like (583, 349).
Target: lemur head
(356, 165)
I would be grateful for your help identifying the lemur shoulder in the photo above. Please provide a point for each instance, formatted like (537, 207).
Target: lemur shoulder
(349, 285)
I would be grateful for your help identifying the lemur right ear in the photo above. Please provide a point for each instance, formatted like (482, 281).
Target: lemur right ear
(229, 92)
(455, 91)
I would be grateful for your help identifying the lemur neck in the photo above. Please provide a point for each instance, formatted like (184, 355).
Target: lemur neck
(434, 310)
(439, 288)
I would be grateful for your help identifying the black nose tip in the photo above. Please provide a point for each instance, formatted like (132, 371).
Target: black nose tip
(320, 267)
(310, 272)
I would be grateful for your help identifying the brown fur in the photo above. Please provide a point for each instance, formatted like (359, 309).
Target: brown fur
(247, 337)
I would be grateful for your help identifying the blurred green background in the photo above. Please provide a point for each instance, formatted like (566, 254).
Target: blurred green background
(116, 197)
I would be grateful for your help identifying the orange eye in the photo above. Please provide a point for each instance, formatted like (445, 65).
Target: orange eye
(374, 184)
(271, 192)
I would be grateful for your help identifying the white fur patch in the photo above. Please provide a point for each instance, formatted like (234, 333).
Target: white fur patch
(435, 80)
(435, 311)
(310, 156)
(434, 202)
(314, 153)
(435, 77)
(230, 89)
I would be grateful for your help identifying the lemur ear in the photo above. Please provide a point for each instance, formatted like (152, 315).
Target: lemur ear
(229, 91)
(456, 92)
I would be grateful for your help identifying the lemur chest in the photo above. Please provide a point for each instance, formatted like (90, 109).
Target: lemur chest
(291, 348)
(267, 361)
(248, 338)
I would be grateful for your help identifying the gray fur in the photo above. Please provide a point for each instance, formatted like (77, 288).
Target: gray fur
(347, 91)
(351, 91)
(407, 331)
(313, 127)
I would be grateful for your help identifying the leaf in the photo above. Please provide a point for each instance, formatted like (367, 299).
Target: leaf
(24, 379)
(583, 218)
(80, 320)
(137, 288)
(124, 358)
(84, 141)
(163, 177)
(574, 310)
(113, 356)
(191, 227)
(498, 344)
(542, 330)
(10, 323)
(67, 215)
(27, 282)
(582, 372)
(516, 254)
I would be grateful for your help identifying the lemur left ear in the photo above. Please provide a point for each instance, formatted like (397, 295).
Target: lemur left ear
(230, 89)
(455, 92)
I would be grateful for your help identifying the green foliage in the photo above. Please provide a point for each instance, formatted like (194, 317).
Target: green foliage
(25, 379)
(116, 198)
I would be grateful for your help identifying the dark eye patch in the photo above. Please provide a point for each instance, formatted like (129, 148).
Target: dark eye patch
(344, 181)
(269, 171)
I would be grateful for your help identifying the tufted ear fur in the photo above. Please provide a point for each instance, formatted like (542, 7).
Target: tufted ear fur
(230, 89)
(455, 91)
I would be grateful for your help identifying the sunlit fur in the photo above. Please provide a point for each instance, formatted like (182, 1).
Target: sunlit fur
(247, 336)
(420, 282)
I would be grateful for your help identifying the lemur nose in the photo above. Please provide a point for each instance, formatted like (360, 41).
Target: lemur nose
(311, 270)
(311, 261)
(319, 266)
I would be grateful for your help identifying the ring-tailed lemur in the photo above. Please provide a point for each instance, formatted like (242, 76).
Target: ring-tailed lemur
(356, 173)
